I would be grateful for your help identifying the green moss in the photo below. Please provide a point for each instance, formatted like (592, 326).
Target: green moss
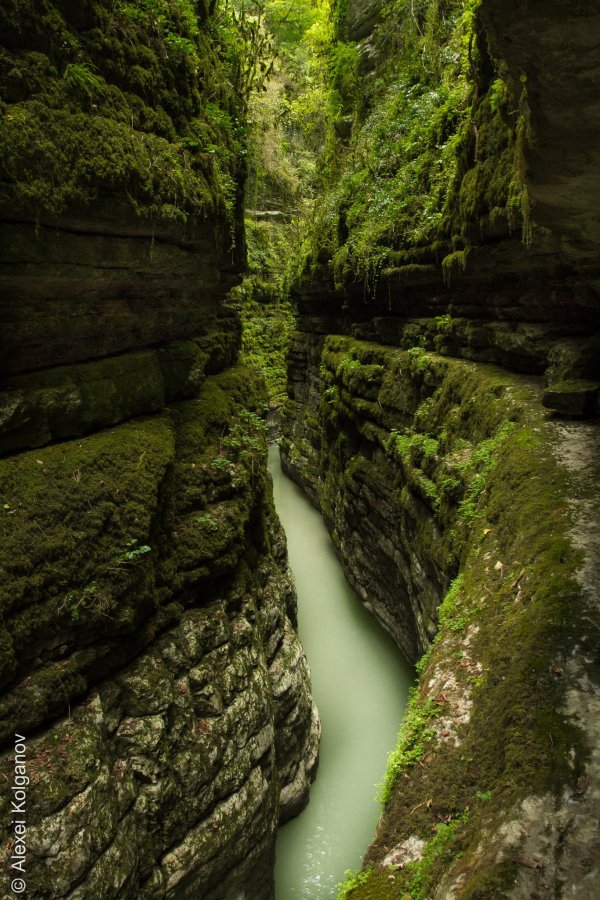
(456, 260)
(472, 442)
(436, 156)
(413, 739)
(440, 851)
(118, 98)
(266, 335)
(105, 538)
(517, 743)
(81, 526)
(351, 881)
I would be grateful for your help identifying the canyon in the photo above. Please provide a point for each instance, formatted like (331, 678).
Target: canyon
(442, 414)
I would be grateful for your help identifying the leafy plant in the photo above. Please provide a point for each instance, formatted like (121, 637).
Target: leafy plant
(135, 552)
(207, 520)
(476, 471)
(412, 740)
(448, 616)
(441, 844)
(91, 598)
(352, 880)
(79, 76)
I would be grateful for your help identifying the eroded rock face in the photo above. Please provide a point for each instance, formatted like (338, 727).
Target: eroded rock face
(151, 658)
(427, 468)
(463, 507)
(106, 318)
(507, 278)
(553, 49)
(148, 653)
(388, 493)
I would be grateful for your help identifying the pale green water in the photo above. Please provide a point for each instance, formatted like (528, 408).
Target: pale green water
(360, 684)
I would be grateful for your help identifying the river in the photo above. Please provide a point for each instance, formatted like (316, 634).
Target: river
(360, 684)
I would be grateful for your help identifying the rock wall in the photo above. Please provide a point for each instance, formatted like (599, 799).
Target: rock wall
(449, 300)
(106, 318)
(463, 517)
(149, 658)
(462, 219)
(149, 652)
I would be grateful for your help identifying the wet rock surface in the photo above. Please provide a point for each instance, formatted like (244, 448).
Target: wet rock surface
(497, 763)
(166, 703)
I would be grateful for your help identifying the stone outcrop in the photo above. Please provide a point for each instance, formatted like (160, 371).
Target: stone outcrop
(150, 656)
(444, 482)
(148, 648)
(433, 383)
(106, 319)
(510, 274)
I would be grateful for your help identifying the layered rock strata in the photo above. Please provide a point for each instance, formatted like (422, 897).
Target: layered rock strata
(150, 657)
(460, 234)
(501, 265)
(444, 482)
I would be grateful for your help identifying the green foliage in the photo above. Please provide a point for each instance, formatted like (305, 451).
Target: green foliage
(135, 552)
(497, 94)
(351, 881)
(454, 261)
(140, 102)
(403, 162)
(411, 178)
(413, 737)
(440, 848)
(284, 134)
(80, 77)
(410, 447)
(448, 615)
(267, 318)
(286, 126)
(173, 22)
(61, 157)
(418, 358)
(476, 471)
(251, 49)
(91, 599)
(207, 520)
(343, 75)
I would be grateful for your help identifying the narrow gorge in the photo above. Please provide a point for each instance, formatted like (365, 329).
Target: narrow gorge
(421, 179)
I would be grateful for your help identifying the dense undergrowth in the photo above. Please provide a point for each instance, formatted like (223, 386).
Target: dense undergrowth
(267, 315)
(425, 144)
(286, 133)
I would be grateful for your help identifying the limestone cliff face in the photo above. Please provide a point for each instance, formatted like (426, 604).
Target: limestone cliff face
(150, 656)
(147, 618)
(106, 317)
(443, 482)
(148, 647)
(436, 329)
(463, 217)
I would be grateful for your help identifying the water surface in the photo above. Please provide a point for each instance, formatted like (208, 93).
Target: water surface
(360, 684)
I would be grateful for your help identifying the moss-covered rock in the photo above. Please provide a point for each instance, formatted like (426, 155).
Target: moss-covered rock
(428, 468)
(112, 98)
(448, 199)
(150, 656)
